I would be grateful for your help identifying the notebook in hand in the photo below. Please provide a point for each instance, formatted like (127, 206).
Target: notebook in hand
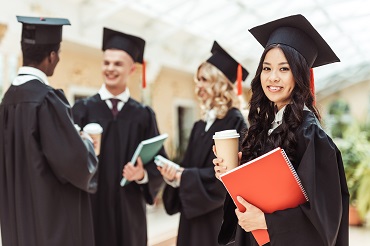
(147, 149)
(269, 182)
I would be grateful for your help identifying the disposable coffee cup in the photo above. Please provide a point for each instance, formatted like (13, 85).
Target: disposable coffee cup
(95, 131)
(227, 147)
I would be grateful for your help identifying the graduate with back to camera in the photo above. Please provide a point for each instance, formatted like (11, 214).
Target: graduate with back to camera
(46, 170)
(283, 114)
(192, 189)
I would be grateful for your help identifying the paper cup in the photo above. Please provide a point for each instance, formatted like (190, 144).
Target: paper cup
(95, 131)
(227, 147)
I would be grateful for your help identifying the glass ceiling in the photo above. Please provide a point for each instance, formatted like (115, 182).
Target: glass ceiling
(180, 33)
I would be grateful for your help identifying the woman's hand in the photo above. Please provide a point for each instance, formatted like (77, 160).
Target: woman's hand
(218, 162)
(220, 167)
(170, 172)
(252, 219)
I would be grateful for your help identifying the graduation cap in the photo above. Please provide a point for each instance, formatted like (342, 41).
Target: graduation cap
(297, 32)
(40, 30)
(228, 65)
(134, 46)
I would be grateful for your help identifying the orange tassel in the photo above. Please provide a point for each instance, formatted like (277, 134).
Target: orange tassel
(144, 75)
(239, 75)
(312, 86)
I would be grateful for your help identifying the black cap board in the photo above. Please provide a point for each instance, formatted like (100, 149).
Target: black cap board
(225, 63)
(297, 32)
(133, 45)
(40, 30)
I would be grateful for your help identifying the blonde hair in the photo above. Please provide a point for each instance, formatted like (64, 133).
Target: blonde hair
(222, 95)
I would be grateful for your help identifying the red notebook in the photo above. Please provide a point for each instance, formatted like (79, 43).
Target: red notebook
(269, 182)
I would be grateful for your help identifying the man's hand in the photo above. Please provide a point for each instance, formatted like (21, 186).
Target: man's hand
(134, 173)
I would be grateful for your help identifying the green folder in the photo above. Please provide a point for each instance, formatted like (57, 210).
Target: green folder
(147, 149)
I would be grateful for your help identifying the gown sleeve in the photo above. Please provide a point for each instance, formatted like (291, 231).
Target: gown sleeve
(200, 192)
(229, 224)
(79, 111)
(171, 197)
(71, 158)
(324, 219)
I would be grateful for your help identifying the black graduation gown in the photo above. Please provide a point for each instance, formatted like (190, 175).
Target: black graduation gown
(45, 170)
(322, 221)
(200, 196)
(120, 212)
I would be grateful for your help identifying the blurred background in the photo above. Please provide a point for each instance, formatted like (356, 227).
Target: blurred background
(179, 35)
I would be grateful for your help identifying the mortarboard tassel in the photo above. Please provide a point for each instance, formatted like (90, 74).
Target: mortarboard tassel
(239, 79)
(143, 75)
(312, 85)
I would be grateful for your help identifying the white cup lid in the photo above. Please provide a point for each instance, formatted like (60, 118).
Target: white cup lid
(93, 128)
(226, 134)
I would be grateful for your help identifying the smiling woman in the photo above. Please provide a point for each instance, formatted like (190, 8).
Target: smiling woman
(276, 78)
(192, 190)
(283, 114)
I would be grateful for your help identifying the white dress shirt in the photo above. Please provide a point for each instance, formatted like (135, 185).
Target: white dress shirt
(210, 119)
(26, 74)
(279, 118)
(105, 95)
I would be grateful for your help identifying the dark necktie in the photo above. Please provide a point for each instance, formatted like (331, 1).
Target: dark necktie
(114, 109)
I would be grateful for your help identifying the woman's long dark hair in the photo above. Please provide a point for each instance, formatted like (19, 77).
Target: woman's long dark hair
(262, 110)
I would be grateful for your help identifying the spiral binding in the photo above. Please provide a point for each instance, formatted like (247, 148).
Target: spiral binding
(295, 174)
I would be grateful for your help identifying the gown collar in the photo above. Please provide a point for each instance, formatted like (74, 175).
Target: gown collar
(105, 94)
(26, 74)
